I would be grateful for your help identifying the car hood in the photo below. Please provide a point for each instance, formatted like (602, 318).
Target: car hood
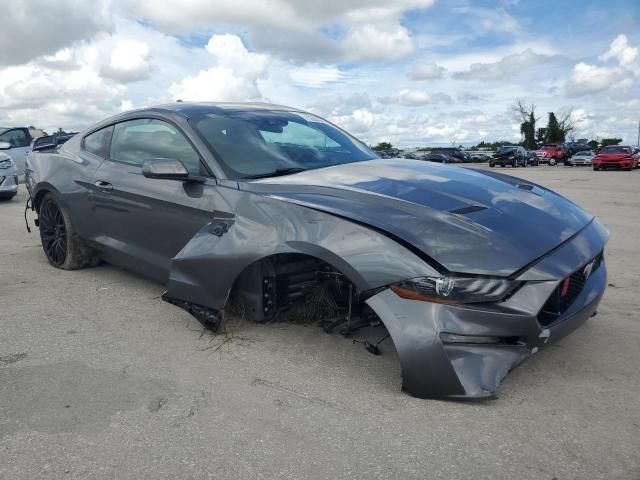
(467, 220)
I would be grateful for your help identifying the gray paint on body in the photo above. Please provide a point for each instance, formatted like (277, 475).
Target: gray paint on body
(378, 222)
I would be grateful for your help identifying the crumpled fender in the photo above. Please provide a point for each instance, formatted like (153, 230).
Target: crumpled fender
(204, 271)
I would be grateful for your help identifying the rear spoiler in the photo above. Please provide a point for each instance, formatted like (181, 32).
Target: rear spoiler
(50, 142)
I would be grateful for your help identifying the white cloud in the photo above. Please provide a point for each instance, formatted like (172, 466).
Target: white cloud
(42, 27)
(514, 64)
(416, 98)
(615, 80)
(623, 52)
(378, 42)
(426, 71)
(369, 30)
(586, 79)
(287, 14)
(316, 76)
(129, 62)
(337, 105)
(235, 78)
(491, 20)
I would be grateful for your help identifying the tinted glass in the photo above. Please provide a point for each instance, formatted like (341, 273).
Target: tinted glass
(616, 150)
(250, 143)
(17, 138)
(98, 142)
(139, 141)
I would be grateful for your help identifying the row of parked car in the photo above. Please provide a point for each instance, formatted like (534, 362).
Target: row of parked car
(570, 154)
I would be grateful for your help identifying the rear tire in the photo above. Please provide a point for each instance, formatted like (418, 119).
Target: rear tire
(492, 164)
(61, 244)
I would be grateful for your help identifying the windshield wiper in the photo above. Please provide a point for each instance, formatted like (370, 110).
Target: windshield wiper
(279, 172)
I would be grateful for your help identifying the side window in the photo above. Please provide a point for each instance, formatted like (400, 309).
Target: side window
(138, 141)
(98, 142)
(16, 137)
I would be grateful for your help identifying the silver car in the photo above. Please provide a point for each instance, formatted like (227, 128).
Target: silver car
(8, 177)
(15, 142)
(582, 158)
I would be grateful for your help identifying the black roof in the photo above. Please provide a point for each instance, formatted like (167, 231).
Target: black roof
(188, 109)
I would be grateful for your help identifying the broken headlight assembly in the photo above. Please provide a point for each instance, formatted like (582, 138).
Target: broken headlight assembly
(455, 290)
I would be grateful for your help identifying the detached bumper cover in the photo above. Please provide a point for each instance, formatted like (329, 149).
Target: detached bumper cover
(432, 368)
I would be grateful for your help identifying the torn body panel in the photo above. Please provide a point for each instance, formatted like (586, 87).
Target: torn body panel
(205, 270)
(464, 351)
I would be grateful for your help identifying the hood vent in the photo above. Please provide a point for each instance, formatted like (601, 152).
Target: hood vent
(469, 209)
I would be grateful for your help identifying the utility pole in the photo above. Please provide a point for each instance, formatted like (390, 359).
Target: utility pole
(639, 133)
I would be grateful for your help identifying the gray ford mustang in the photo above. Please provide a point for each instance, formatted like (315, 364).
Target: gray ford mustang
(469, 271)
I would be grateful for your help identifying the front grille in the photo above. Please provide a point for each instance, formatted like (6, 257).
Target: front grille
(566, 292)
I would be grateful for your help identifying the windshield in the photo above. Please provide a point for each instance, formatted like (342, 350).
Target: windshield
(506, 149)
(616, 150)
(257, 143)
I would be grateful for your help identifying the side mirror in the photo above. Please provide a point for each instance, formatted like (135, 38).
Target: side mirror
(5, 145)
(165, 168)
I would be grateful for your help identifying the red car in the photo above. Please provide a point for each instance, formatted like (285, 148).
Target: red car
(550, 154)
(616, 156)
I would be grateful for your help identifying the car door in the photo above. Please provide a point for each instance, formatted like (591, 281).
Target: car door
(19, 141)
(145, 222)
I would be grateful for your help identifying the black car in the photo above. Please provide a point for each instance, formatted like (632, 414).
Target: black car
(263, 207)
(454, 152)
(510, 155)
(480, 157)
(439, 157)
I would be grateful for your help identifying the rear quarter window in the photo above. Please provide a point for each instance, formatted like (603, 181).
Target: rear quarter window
(99, 142)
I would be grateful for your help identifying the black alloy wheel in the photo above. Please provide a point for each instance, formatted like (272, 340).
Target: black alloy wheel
(53, 232)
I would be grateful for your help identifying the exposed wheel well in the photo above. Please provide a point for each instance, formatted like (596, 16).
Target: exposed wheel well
(275, 284)
(37, 200)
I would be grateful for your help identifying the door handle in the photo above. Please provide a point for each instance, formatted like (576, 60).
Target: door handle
(103, 186)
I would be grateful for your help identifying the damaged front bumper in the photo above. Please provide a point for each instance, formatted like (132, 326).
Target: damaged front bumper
(464, 351)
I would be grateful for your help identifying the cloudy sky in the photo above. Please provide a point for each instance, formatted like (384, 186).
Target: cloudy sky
(413, 72)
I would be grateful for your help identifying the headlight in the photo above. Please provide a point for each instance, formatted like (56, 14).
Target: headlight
(4, 164)
(452, 290)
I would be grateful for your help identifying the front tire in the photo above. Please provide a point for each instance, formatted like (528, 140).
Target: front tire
(552, 162)
(491, 165)
(61, 244)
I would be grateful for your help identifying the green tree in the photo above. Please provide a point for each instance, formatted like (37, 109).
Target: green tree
(593, 144)
(528, 130)
(610, 141)
(382, 146)
(541, 135)
(554, 133)
(526, 114)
